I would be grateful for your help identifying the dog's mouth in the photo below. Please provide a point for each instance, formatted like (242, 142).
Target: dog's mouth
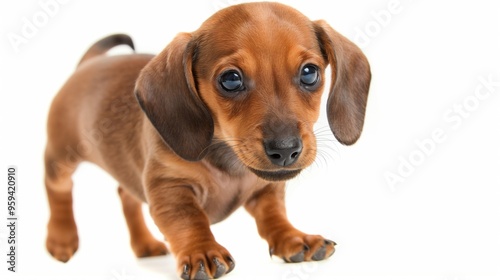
(278, 175)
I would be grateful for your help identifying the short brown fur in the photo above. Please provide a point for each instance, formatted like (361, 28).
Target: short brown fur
(164, 128)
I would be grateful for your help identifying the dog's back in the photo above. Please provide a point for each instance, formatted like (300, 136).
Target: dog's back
(105, 116)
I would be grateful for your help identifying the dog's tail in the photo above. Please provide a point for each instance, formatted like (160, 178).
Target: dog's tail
(105, 44)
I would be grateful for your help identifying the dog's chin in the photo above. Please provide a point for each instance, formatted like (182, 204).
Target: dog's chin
(278, 175)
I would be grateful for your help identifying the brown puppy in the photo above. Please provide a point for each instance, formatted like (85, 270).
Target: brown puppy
(222, 117)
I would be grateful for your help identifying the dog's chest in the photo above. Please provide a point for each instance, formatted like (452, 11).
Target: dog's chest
(224, 192)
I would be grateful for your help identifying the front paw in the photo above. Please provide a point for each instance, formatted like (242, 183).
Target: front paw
(209, 261)
(299, 247)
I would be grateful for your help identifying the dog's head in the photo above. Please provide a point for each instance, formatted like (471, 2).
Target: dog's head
(252, 76)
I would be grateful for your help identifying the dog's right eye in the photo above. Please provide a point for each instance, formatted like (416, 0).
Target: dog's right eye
(231, 81)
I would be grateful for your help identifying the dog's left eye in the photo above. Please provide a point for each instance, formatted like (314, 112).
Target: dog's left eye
(231, 81)
(309, 75)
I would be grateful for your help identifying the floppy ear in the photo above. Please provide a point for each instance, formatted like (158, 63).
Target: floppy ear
(351, 77)
(167, 93)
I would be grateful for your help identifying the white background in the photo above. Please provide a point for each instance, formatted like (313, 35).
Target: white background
(441, 220)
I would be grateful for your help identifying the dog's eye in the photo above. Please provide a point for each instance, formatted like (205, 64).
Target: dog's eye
(231, 81)
(309, 75)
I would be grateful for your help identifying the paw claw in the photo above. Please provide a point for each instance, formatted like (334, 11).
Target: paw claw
(220, 269)
(320, 254)
(300, 257)
(232, 264)
(201, 274)
(185, 272)
(330, 242)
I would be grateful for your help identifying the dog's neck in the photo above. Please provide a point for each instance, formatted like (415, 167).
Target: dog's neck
(221, 156)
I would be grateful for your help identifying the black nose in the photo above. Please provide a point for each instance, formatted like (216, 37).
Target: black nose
(283, 152)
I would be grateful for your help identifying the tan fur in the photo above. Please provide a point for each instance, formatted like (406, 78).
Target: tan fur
(161, 127)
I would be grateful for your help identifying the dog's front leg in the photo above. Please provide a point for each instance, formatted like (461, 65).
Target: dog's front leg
(267, 206)
(176, 211)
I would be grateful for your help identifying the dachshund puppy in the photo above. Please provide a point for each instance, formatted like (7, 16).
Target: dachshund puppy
(221, 118)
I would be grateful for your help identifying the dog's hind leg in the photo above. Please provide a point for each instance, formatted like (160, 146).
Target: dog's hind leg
(142, 241)
(62, 235)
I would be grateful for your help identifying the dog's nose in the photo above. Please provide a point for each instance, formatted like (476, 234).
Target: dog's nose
(283, 152)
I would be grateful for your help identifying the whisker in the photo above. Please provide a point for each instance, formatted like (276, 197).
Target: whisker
(327, 147)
